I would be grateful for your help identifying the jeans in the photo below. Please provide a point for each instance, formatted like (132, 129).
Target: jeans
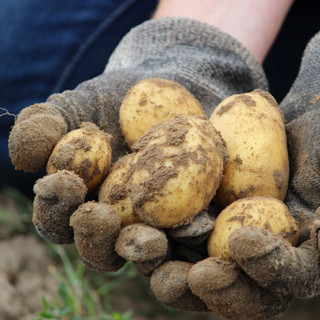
(51, 46)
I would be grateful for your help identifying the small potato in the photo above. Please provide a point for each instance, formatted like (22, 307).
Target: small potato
(153, 101)
(253, 127)
(114, 191)
(267, 213)
(85, 151)
(177, 170)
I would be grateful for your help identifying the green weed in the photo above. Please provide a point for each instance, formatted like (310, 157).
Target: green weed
(78, 297)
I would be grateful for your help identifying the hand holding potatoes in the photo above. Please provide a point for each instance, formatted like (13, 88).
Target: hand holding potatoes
(256, 284)
(148, 213)
(274, 264)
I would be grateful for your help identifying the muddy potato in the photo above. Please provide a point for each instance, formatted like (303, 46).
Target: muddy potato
(153, 101)
(253, 127)
(85, 151)
(177, 169)
(114, 191)
(265, 212)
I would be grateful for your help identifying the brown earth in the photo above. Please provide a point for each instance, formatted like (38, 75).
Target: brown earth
(25, 276)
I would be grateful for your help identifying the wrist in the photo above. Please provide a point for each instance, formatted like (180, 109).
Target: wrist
(253, 23)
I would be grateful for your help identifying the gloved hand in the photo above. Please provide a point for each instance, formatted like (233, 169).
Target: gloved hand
(207, 62)
(212, 66)
(266, 267)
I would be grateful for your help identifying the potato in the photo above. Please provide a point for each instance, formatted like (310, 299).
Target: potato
(253, 127)
(114, 191)
(85, 151)
(153, 101)
(177, 170)
(266, 212)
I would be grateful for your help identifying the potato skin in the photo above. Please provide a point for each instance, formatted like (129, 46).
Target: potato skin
(85, 151)
(252, 125)
(177, 170)
(114, 191)
(152, 101)
(265, 212)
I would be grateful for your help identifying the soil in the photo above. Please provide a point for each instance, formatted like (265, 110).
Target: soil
(25, 276)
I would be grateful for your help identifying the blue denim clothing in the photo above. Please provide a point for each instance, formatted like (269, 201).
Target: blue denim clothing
(51, 46)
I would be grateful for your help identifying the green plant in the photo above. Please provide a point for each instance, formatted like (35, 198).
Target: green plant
(78, 297)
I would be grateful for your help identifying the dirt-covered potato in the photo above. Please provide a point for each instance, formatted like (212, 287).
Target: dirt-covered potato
(153, 101)
(85, 151)
(96, 228)
(253, 127)
(114, 191)
(177, 170)
(265, 212)
(57, 196)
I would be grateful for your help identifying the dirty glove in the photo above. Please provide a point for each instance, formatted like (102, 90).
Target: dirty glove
(271, 262)
(211, 65)
(207, 62)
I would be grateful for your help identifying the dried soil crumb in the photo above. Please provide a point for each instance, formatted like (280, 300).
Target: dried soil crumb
(265, 94)
(279, 179)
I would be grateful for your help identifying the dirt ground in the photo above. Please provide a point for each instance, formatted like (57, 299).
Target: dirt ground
(25, 276)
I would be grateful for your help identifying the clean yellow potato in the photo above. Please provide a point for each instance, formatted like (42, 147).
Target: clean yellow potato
(267, 213)
(252, 126)
(177, 170)
(85, 151)
(114, 191)
(153, 101)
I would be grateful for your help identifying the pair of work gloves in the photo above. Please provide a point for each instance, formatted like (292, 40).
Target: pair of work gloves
(260, 282)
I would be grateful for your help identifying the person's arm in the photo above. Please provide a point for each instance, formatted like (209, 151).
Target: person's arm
(253, 23)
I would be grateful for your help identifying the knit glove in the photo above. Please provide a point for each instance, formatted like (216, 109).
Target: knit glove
(271, 262)
(296, 270)
(211, 65)
(207, 62)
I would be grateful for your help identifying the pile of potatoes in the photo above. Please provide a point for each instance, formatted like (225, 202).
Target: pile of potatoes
(189, 182)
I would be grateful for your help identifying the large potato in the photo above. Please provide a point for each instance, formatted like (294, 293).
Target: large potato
(253, 127)
(177, 170)
(114, 191)
(265, 212)
(85, 151)
(153, 101)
